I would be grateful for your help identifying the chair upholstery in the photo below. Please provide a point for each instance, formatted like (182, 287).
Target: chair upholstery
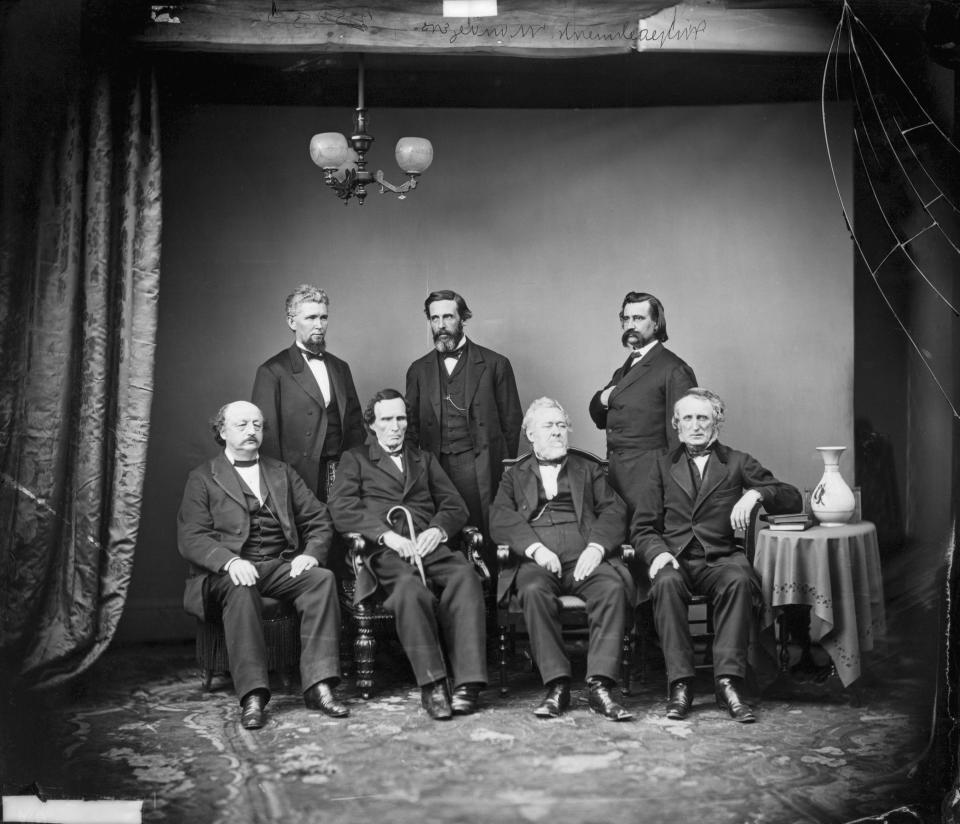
(281, 631)
(367, 622)
(573, 610)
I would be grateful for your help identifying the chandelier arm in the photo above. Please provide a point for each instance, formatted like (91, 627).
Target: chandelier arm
(403, 188)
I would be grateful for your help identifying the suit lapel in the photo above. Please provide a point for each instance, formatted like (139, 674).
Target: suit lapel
(226, 477)
(338, 386)
(575, 477)
(715, 473)
(475, 367)
(637, 371)
(278, 489)
(528, 478)
(414, 466)
(431, 380)
(303, 375)
(385, 462)
(680, 472)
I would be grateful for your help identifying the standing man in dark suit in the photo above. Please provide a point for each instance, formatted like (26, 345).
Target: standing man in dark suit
(310, 408)
(250, 527)
(695, 498)
(636, 406)
(375, 478)
(557, 512)
(464, 408)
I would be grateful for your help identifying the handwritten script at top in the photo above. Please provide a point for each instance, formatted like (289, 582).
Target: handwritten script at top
(566, 33)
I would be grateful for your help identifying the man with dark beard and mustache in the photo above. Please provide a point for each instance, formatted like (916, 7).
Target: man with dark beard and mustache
(311, 413)
(636, 406)
(464, 408)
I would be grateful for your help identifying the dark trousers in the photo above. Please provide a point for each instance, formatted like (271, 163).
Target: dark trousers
(314, 595)
(462, 471)
(729, 582)
(604, 592)
(628, 472)
(422, 618)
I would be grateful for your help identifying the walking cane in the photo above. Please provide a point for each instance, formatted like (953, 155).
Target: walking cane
(415, 560)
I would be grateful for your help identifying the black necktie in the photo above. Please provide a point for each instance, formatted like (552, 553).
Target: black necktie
(698, 451)
(246, 463)
(545, 462)
(312, 355)
(632, 359)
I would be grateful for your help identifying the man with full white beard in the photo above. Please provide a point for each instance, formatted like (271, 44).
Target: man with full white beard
(557, 512)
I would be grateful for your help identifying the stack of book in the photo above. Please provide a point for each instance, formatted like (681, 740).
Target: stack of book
(793, 522)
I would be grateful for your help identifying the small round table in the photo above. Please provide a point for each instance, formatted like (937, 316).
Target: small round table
(836, 572)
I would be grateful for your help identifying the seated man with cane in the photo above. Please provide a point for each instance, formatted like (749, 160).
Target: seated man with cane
(376, 482)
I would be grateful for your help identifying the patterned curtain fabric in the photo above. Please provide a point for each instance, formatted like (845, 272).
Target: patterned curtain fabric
(78, 317)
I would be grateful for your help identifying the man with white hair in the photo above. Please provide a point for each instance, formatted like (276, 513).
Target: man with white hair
(683, 526)
(249, 527)
(309, 403)
(557, 512)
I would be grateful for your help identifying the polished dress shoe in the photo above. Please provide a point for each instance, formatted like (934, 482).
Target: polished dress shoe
(602, 703)
(466, 699)
(253, 710)
(729, 699)
(436, 700)
(680, 700)
(320, 697)
(555, 701)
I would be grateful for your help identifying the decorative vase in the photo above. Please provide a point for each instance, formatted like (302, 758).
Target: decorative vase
(832, 501)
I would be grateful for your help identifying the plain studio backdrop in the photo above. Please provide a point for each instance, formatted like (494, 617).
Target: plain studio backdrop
(543, 220)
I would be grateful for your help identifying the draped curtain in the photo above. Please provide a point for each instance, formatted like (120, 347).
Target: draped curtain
(79, 276)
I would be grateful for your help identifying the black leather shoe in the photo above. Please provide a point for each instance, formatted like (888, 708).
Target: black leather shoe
(729, 699)
(253, 710)
(680, 701)
(602, 703)
(555, 701)
(320, 697)
(436, 700)
(466, 699)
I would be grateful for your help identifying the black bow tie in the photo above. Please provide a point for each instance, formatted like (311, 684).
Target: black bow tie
(546, 462)
(239, 463)
(397, 454)
(453, 353)
(312, 355)
(698, 451)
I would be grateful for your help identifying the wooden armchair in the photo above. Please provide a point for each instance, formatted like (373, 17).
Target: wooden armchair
(368, 621)
(573, 610)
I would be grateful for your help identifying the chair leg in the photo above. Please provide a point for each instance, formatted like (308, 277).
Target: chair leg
(503, 659)
(364, 652)
(286, 679)
(625, 661)
(206, 679)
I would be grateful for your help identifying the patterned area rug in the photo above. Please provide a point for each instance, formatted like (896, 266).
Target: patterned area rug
(140, 727)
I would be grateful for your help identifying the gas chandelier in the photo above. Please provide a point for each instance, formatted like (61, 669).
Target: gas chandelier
(345, 164)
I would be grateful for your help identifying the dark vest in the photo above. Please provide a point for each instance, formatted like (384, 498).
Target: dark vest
(332, 441)
(266, 538)
(454, 423)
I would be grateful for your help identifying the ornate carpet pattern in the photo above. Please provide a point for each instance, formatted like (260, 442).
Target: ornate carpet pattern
(140, 727)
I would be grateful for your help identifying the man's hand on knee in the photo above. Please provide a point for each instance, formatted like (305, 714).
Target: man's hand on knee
(301, 564)
(242, 573)
(588, 561)
(545, 557)
(660, 562)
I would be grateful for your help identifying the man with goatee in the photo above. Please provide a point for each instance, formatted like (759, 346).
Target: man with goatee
(464, 408)
(310, 408)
